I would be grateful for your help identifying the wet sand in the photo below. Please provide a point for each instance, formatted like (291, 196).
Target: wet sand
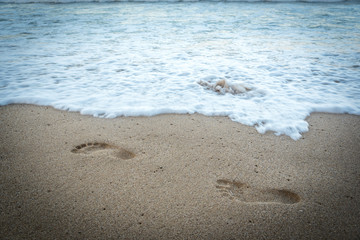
(69, 176)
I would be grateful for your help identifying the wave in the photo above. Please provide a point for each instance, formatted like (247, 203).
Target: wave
(152, 1)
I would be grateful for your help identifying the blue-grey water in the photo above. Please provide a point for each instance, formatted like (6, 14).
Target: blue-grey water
(280, 61)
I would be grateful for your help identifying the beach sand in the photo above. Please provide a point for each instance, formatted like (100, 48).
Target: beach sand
(70, 176)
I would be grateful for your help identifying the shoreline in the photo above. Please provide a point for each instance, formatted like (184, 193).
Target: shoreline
(66, 175)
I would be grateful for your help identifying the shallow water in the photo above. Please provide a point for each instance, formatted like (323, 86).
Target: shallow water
(129, 59)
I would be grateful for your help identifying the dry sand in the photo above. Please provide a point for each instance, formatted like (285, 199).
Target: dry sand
(68, 176)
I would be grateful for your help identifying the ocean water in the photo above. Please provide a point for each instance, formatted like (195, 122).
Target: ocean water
(264, 64)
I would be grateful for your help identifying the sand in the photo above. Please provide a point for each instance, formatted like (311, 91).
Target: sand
(69, 176)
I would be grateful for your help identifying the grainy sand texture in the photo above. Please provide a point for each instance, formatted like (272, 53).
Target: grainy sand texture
(69, 176)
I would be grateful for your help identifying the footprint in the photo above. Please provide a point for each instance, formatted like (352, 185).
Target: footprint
(245, 193)
(118, 152)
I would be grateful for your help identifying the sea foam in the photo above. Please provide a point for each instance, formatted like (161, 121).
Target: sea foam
(264, 65)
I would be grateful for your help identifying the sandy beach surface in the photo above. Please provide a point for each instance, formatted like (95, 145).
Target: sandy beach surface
(69, 176)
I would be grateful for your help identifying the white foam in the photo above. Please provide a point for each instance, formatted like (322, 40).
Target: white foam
(276, 66)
